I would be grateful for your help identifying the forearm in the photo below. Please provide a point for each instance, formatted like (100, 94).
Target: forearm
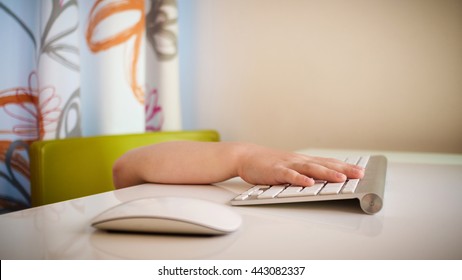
(210, 162)
(178, 163)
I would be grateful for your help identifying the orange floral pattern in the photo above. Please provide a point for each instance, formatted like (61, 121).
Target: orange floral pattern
(104, 9)
(37, 109)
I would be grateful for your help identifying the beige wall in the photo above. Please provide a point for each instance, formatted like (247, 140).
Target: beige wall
(383, 74)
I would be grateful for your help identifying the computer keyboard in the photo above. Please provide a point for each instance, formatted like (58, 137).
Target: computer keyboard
(369, 190)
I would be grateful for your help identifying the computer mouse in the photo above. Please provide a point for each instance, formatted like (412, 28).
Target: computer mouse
(171, 215)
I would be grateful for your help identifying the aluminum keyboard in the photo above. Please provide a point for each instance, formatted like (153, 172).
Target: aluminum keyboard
(369, 190)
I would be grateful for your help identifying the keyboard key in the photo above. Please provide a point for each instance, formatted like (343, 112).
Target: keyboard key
(241, 197)
(314, 189)
(332, 188)
(290, 191)
(363, 161)
(254, 191)
(352, 160)
(272, 192)
(350, 186)
(258, 192)
(251, 190)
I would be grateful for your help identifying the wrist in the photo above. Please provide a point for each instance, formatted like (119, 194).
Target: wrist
(240, 154)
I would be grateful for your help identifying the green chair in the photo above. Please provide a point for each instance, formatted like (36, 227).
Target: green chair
(69, 168)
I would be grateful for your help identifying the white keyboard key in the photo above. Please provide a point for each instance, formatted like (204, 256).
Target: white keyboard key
(241, 197)
(350, 186)
(290, 191)
(363, 161)
(272, 192)
(332, 188)
(352, 160)
(251, 190)
(313, 190)
(257, 192)
(254, 191)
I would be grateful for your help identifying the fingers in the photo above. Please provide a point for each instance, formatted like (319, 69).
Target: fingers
(293, 177)
(304, 173)
(269, 167)
(329, 169)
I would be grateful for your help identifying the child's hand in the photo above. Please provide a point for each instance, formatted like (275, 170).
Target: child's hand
(259, 165)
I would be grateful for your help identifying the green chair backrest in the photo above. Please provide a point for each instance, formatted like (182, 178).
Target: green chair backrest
(69, 168)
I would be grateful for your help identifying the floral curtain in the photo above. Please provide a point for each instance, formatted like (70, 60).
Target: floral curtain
(73, 68)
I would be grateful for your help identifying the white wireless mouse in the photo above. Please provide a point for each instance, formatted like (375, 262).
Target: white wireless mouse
(173, 215)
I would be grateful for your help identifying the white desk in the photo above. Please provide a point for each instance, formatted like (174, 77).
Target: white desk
(421, 219)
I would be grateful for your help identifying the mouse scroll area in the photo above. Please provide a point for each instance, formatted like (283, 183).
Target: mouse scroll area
(169, 215)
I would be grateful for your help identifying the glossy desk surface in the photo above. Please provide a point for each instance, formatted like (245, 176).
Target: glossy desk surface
(421, 219)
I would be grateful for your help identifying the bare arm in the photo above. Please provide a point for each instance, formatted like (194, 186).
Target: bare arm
(211, 162)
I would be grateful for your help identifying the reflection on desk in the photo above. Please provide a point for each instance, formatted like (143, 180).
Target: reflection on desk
(421, 219)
